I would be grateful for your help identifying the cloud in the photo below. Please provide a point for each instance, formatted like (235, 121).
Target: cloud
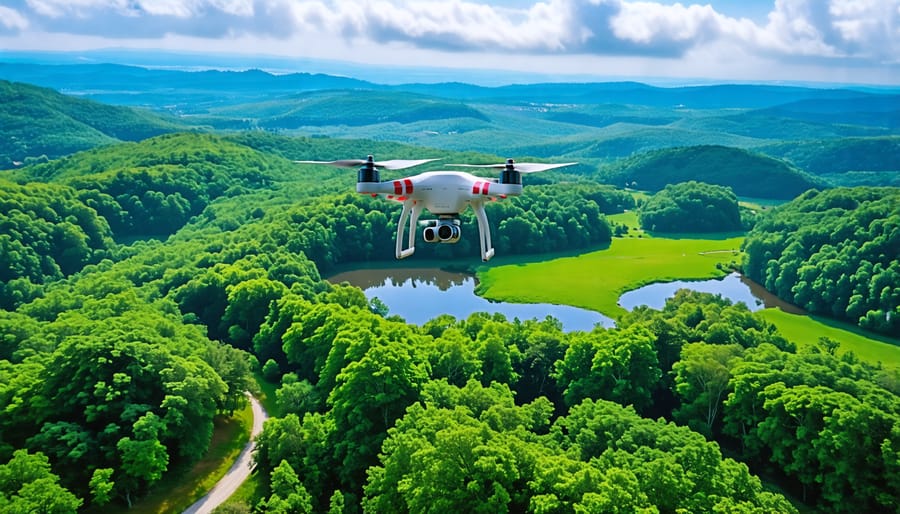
(12, 21)
(862, 30)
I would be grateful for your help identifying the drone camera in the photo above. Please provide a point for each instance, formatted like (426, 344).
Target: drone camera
(441, 231)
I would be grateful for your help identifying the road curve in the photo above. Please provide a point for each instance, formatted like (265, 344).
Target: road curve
(238, 472)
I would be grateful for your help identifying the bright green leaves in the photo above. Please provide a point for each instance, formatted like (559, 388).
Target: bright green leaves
(834, 253)
(619, 365)
(691, 207)
(28, 485)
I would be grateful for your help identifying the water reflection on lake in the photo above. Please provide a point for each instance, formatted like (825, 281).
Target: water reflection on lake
(421, 294)
(735, 287)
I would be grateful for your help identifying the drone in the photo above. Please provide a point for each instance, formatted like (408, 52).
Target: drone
(445, 194)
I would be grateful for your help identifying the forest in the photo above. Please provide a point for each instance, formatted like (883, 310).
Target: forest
(146, 285)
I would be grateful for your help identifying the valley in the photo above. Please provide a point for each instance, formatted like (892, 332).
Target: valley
(162, 253)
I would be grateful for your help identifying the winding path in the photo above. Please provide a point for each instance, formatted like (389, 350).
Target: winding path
(238, 472)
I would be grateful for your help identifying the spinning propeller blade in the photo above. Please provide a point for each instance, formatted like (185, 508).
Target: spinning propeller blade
(521, 167)
(395, 164)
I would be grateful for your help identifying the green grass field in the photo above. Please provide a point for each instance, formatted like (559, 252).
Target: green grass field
(595, 280)
(806, 330)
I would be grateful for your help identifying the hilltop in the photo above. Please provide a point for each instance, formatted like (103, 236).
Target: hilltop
(41, 123)
(746, 173)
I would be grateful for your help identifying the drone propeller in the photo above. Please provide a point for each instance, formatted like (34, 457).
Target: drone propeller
(395, 164)
(521, 167)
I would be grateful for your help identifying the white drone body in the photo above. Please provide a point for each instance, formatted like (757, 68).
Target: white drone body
(445, 194)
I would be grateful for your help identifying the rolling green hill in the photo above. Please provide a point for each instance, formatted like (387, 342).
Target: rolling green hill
(747, 173)
(846, 161)
(348, 108)
(39, 122)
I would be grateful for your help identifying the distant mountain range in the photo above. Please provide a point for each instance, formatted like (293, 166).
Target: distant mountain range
(846, 135)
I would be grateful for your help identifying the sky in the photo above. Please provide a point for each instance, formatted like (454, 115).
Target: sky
(829, 41)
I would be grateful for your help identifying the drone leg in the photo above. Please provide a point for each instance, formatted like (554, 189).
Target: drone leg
(484, 231)
(415, 210)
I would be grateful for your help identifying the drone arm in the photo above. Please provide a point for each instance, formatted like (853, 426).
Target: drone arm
(411, 210)
(484, 231)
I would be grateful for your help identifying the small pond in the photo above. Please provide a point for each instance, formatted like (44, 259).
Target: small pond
(421, 294)
(734, 286)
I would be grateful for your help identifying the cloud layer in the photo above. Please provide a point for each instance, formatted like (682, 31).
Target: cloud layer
(861, 31)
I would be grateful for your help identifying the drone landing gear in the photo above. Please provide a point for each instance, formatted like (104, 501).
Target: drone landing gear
(443, 230)
(484, 231)
(411, 211)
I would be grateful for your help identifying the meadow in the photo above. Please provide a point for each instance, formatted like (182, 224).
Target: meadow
(595, 280)
(806, 330)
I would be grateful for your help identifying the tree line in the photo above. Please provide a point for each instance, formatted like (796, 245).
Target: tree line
(833, 252)
(111, 375)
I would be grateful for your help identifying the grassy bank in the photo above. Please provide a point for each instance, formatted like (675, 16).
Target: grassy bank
(806, 330)
(595, 280)
(177, 492)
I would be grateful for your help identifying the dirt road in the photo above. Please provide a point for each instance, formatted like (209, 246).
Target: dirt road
(238, 472)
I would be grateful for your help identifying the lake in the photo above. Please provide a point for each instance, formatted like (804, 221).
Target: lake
(734, 286)
(421, 294)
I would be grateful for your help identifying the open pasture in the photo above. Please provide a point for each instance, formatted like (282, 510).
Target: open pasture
(595, 280)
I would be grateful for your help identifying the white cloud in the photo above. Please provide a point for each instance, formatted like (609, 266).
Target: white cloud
(11, 20)
(854, 32)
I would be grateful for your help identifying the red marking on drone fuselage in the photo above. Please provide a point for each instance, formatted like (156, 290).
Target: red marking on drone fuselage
(398, 187)
(484, 187)
(476, 187)
(409, 186)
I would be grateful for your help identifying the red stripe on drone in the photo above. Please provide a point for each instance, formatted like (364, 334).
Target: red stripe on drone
(398, 187)
(409, 186)
(484, 187)
(476, 187)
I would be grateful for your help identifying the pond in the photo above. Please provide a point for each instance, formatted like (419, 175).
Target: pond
(734, 286)
(421, 294)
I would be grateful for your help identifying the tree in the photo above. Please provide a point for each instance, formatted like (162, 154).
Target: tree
(691, 207)
(101, 485)
(701, 381)
(28, 485)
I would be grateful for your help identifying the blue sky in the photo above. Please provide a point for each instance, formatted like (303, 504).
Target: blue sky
(842, 41)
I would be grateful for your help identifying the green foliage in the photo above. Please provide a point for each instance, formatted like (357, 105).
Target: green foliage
(805, 412)
(48, 232)
(41, 123)
(832, 157)
(123, 387)
(746, 173)
(617, 365)
(833, 253)
(691, 207)
(116, 372)
(28, 485)
(356, 108)
(472, 449)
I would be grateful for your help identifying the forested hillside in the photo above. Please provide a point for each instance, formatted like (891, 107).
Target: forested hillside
(746, 173)
(846, 161)
(39, 123)
(833, 252)
(691, 207)
(596, 123)
(145, 277)
(112, 370)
